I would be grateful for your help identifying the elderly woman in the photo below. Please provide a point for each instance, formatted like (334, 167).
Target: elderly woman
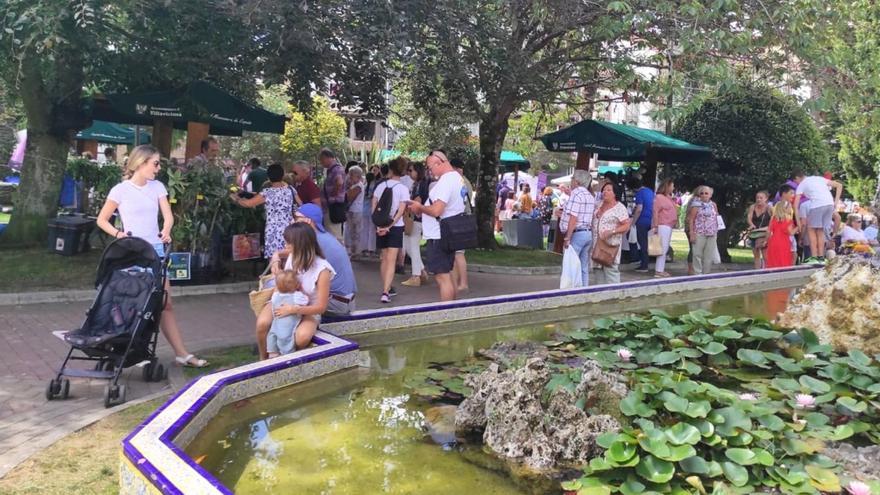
(702, 218)
(577, 220)
(853, 233)
(610, 222)
(355, 186)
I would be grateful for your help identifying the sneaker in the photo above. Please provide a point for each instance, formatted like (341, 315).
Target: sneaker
(385, 298)
(641, 269)
(412, 282)
(392, 292)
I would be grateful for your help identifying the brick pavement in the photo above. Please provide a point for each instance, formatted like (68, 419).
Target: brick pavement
(29, 353)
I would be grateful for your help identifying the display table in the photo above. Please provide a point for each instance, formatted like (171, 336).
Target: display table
(523, 232)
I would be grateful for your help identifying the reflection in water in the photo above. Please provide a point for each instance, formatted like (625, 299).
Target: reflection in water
(369, 437)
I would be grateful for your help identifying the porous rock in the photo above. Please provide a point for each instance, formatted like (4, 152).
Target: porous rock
(841, 304)
(516, 425)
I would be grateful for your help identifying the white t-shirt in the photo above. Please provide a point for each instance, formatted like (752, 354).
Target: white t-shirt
(399, 193)
(851, 234)
(309, 278)
(407, 181)
(448, 190)
(357, 206)
(139, 208)
(816, 188)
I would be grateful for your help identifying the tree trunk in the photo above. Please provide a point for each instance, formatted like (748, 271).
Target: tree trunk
(493, 130)
(37, 198)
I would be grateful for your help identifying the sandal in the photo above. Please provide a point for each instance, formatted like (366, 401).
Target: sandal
(190, 361)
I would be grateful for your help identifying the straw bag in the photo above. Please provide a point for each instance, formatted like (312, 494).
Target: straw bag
(655, 247)
(260, 297)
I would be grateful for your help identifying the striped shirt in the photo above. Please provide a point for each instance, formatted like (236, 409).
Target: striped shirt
(581, 204)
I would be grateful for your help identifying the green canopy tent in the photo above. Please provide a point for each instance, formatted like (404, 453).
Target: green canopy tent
(197, 102)
(511, 159)
(623, 143)
(108, 132)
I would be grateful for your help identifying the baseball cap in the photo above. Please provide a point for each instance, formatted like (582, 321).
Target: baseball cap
(313, 212)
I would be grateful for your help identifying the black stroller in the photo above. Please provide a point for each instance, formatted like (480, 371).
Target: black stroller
(122, 326)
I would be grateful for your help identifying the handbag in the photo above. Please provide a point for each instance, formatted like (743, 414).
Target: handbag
(655, 247)
(337, 212)
(720, 220)
(604, 254)
(408, 223)
(260, 297)
(458, 232)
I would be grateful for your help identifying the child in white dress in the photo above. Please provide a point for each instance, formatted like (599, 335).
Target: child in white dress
(288, 290)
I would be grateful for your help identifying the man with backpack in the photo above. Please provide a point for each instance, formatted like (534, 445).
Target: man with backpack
(389, 204)
(444, 201)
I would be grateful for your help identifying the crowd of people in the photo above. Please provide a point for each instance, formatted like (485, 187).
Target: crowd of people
(313, 233)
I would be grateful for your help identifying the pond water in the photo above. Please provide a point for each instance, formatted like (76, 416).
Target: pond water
(359, 432)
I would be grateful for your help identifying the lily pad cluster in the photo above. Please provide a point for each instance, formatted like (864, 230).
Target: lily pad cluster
(731, 405)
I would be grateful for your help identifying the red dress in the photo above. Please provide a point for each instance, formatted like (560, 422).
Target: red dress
(779, 244)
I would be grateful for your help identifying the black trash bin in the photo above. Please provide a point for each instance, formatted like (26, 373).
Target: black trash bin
(69, 235)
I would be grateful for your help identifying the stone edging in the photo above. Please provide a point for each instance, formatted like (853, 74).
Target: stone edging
(516, 270)
(62, 296)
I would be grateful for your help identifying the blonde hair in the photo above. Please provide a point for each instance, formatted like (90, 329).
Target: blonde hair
(287, 282)
(853, 216)
(138, 157)
(782, 211)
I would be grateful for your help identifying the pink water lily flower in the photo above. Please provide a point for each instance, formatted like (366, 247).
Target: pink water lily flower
(858, 488)
(624, 354)
(805, 401)
(748, 396)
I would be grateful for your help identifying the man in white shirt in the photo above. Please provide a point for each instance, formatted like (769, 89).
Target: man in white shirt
(820, 211)
(444, 201)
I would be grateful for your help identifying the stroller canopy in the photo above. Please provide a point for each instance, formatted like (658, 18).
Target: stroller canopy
(127, 252)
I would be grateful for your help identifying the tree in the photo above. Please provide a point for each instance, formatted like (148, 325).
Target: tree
(488, 58)
(425, 128)
(53, 50)
(260, 144)
(305, 134)
(533, 120)
(758, 137)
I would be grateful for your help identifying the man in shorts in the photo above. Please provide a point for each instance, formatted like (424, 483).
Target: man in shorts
(820, 210)
(444, 201)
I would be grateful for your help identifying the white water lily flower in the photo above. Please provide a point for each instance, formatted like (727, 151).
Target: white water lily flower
(809, 356)
(805, 401)
(624, 354)
(748, 396)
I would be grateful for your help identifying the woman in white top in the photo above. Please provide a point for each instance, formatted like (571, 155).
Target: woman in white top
(853, 232)
(354, 196)
(303, 255)
(139, 200)
(389, 238)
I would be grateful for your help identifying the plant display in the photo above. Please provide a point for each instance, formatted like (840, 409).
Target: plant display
(715, 403)
(96, 179)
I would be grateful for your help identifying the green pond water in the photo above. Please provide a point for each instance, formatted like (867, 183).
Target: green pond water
(358, 432)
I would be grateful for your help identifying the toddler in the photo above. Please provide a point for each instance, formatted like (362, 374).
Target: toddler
(281, 335)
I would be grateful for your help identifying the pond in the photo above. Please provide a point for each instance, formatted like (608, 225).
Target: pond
(359, 432)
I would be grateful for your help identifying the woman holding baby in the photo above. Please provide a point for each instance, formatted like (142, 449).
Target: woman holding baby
(302, 271)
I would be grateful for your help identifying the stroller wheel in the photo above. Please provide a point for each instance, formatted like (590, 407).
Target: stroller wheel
(65, 388)
(52, 389)
(114, 395)
(159, 373)
(147, 373)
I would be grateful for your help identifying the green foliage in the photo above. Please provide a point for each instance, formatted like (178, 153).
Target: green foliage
(713, 402)
(200, 202)
(534, 120)
(96, 178)
(758, 137)
(305, 135)
(266, 147)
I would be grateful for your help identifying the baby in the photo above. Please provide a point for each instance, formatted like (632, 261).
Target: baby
(281, 335)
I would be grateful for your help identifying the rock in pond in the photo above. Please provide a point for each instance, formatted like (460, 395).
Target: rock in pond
(546, 436)
(841, 303)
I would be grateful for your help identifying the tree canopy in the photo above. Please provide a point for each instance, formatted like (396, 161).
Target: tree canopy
(305, 134)
(758, 138)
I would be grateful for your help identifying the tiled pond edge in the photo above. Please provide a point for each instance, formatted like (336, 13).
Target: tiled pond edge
(152, 457)
(469, 309)
(153, 460)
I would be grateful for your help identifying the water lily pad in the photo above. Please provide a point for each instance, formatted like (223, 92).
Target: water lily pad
(722, 320)
(729, 420)
(743, 457)
(859, 358)
(713, 348)
(735, 473)
(755, 358)
(823, 479)
(621, 452)
(836, 372)
(666, 357)
(706, 428)
(853, 405)
(633, 405)
(728, 334)
(814, 385)
(607, 439)
(631, 487)
(764, 334)
(678, 453)
(655, 470)
(683, 433)
(771, 422)
(698, 409)
(786, 384)
(695, 464)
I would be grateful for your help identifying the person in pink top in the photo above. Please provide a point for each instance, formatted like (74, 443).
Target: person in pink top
(663, 221)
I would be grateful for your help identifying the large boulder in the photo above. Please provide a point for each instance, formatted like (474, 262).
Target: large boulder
(841, 304)
(517, 423)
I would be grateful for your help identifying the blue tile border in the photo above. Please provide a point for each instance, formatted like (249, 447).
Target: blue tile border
(161, 481)
(530, 296)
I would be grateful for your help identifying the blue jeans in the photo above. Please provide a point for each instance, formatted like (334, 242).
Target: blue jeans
(642, 235)
(581, 242)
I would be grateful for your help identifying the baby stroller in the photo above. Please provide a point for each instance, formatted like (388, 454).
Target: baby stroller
(122, 325)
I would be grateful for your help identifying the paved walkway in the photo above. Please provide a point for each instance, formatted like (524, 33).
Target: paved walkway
(30, 354)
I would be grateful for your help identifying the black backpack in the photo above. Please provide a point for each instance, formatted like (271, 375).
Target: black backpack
(382, 215)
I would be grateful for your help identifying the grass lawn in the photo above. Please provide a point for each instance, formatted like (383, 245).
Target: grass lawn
(85, 462)
(221, 359)
(30, 269)
(512, 256)
(737, 254)
(4, 217)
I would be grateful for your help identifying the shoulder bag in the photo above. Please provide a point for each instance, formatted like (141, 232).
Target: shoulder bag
(458, 232)
(604, 254)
